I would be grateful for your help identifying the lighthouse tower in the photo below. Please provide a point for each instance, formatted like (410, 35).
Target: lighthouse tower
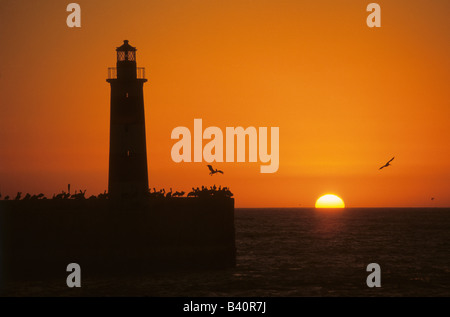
(128, 175)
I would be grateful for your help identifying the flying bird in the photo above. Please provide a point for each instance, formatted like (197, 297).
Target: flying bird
(213, 171)
(387, 164)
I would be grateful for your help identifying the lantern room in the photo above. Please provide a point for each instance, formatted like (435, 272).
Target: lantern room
(126, 52)
(126, 64)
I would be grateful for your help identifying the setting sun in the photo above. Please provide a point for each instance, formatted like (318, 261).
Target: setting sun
(330, 201)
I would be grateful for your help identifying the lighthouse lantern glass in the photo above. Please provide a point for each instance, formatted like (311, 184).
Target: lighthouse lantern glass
(120, 56)
(131, 56)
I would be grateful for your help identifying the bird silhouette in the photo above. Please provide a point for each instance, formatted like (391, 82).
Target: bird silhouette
(387, 164)
(432, 198)
(213, 171)
(178, 194)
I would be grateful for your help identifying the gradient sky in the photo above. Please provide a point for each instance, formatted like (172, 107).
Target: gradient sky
(346, 97)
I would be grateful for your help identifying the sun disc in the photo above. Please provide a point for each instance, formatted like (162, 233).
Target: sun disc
(330, 201)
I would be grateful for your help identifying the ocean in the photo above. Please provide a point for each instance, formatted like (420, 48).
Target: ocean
(303, 252)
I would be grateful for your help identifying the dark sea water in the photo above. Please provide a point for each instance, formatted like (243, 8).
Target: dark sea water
(304, 252)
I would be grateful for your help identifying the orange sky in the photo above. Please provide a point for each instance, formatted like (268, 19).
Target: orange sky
(346, 97)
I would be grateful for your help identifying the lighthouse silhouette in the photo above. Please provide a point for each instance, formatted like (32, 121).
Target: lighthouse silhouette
(128, 174)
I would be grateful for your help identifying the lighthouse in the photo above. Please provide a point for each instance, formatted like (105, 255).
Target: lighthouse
(128, 174)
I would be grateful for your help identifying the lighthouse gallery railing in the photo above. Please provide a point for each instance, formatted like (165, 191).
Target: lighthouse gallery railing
(112, 72)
